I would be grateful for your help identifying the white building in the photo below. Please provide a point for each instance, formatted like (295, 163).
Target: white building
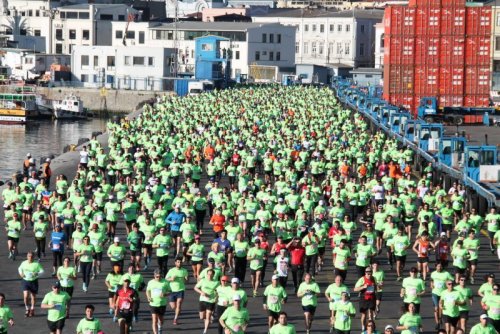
(379, 45)
(250, 43)
(330, 38)
(121, 67)
(190, 7)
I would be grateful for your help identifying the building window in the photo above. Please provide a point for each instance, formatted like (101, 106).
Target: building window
(121, 17)
(321, 48)
(339, 48)
(85, 60)
(237, 55)
(306, 27)
(141, 37)
(347, 27)
(278, 56)
(271, 56)
(110, 61)
(361, 49)
(130, 34)
(85, 35)
(362, 28)
(84, 15)
(332, 28)
(497, 43)
(106, 17)
(257, 55)
(96, 61)
(498, 19)
(126, 60)
(264, 38)
(330, 48)
(37, 32)
(278, 37)
(59, 48)
(297, 46)
(118, 34)
(271, 38)
(84, 78)
(347, 49)
(305, 48)
(339, 28)
(313, 27)
(313, 47)
(321, 28)
(72, 34)
(138, 61)
(59, 34)
(151, 61)
(37, 13)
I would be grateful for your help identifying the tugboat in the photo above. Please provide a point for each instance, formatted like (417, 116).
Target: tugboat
(71, 107)
(16, 107)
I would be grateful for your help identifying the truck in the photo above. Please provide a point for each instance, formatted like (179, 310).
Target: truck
(198, 87)
(429, 111)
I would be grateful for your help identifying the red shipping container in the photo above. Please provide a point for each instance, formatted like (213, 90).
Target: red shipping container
(399, 20)
(452, 3)
(477, 80)
(401, 50)
(451, 100)
(478, 21)
(453, 21)
(403, 100)
(477, 100)
(428, 21)
(452, 50)
(400, 79)
(424, 3)
(427, 50)
(477, 50)
(426, 80)
(451, 80)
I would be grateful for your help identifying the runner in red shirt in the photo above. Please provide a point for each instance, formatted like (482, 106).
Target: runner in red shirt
(124, 301)
(297, 258)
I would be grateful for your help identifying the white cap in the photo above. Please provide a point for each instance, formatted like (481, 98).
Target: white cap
(47, 160)
(28, 155)
(389, 327)
(280, 199)
(483, 316)
(235, 280)
(116, 239)
(236, 296)
(321, 202)
(275, 277)
(443, 234)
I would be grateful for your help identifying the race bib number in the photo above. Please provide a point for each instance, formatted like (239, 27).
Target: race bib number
(126, 305)
(56, 246)
(412, 292)
(273, 299)
(155, 293)
(39, 234)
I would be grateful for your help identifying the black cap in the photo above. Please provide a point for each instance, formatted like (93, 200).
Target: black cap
(56, 284)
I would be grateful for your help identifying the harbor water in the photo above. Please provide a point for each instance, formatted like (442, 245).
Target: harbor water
(41, 138)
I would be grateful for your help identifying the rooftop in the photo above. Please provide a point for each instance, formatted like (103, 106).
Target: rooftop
(315, 13)
(86, 6)
(212, 26)
(368, 70)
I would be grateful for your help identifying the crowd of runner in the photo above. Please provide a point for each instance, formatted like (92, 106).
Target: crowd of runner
(217, 188)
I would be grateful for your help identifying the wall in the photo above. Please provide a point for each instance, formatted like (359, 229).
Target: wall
(122, 101)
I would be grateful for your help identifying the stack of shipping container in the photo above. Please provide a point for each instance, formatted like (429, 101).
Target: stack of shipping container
(437, 48)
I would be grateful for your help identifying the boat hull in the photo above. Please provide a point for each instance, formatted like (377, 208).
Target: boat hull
(65, 114)
(12, 116)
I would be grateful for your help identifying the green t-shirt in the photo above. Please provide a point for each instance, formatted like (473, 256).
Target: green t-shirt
(5, 316)
(364, 254)
(309, 293)
(275, 297)
(479, 329)
(412, 322)
(413, 286)
(114, 281)
(158, 291)
(341, 258)
(400, 244)
(116, 252)
(179, 275)
(30, 270)
(256, 257)
(87, 251)
(439, 281)
(136, 280)
(344, 311)
(236, 319)
(164, 242)
(460, 256)
(466, 295)
(283, 329)
(198, 251)
(60, 301)
(66, 275)
(335, 292)
(472, 246)
(88, 326)
(449, 301)
(493, 303)
(241, 248)
(209, 287)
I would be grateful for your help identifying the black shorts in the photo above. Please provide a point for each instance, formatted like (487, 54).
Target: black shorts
(31, 286)
(68, 290)
(365, 305)
(450, 320)
(111, 294)
(472, 262)
(409, 223)
(112, 223)
(378, 296)
(175, 234)
(15, 240)
(206, 306)
(135, 253)
(97, 256)
(464, 315)
(321, 251)
(274, 315)
(460, 271)
(195, 263)
(55, 325)
(401, 258)
(447, 227)
(126, 314)
(423, 259)
(175, 295)
(309, 308)
(379, 234)
(148, 247)
(158, 310)
(29, 211)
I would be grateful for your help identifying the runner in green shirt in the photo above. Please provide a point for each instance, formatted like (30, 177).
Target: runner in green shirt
(30, 270)
(412, 289)
(341, 256)
(207, 288)
(472, 244)
(235, 318)
(484, 327)
(196, 252)
(343, 311)
(156, 292)
(56, 302)
(177, 277)
(333, 294)
(13, 228)
(89, 324)
(308, 292)
(256, 256)
(116, 252)
(283, 327)
(411, 321)
(364, 254)
(273, 299)
(438, 285)
(491, 303)
(6, 316)
(449, 304)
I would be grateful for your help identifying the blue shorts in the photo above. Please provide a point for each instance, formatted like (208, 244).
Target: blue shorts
(175, 295)
(31, 286)
(309, 308)
(435, 300)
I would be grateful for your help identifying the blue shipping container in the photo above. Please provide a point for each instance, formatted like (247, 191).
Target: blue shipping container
(181, 86)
